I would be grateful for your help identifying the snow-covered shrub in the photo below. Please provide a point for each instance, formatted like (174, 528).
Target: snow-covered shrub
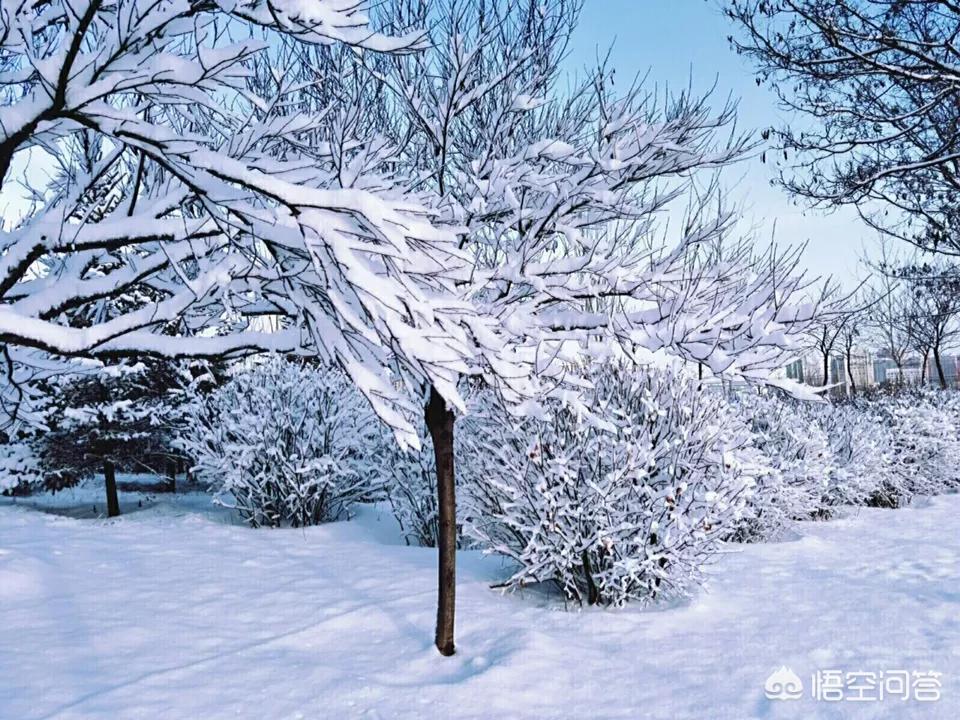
(926, 439)
(881, 450)
(860, 447)
(950, 404)
(281, 443)
(625, 503)
(924, 446)
(410, 482)
(800, 464)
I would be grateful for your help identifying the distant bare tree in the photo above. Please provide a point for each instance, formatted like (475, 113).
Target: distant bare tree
(886, 297)
(827, 335)
(875, 88)
(852, 332)
(933, 313)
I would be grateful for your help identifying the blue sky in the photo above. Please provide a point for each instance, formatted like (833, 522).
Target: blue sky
(684, 41)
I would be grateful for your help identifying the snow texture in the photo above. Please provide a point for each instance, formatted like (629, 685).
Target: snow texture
(174, 611)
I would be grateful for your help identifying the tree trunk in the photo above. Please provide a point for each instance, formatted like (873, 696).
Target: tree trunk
(440, 421)
(593, 595)
(172, 475)
(110, 482)
(940, 376)
(923, 368)
(853, 385)
(826, 369)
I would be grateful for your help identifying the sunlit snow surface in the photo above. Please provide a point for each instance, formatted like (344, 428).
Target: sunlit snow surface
(174, 611)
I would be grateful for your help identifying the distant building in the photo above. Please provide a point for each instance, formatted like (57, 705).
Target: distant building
(869, 369)
(885, 370)
(911, 375)
(795, 370)
(863, 368)
(813, 369)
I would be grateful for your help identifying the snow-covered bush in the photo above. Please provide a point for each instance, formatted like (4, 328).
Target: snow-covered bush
(880, 450)
(410, 483)
(861, 447)
(800, 464)
(950, 403)
(623, 504)
(924, 446)
(281, 443)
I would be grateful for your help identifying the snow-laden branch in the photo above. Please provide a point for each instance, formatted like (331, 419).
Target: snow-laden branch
(182, 199)
(562, 198)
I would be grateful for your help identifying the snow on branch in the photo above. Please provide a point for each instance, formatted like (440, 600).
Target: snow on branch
(187, 191)
(564, 197)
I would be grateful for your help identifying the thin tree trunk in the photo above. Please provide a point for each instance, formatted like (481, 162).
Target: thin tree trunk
(110, 482)
(440, 421)
(923, 368)
(940, 376)
(853, 385)
(593, 595)
(826, 369)
(172, 475)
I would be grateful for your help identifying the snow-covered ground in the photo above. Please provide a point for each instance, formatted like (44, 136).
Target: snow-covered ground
(174, 611)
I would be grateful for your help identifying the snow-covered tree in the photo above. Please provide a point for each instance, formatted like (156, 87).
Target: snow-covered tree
(932, 313)
(188, 190)
(173, 197)
(109, 418)
(426, 207)
(556, 194)
(281, 444)
(834, 332)
(886, 308)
